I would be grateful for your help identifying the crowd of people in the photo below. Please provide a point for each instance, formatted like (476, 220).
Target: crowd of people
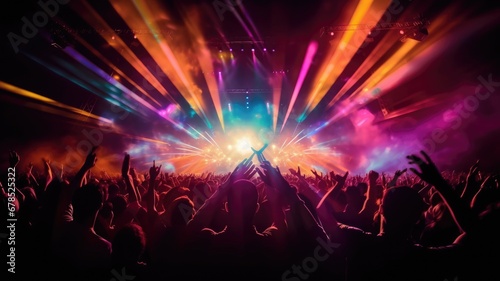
(255, 223)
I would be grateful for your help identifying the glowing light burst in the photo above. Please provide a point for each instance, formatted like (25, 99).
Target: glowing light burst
(220, 153)
(229, 132)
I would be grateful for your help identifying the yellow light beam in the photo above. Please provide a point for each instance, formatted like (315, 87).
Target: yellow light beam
(34, 96)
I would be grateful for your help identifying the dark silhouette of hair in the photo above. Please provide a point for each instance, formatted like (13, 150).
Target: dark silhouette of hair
(119, 204)
(113, 190)
(402, 206)
(128, 244)
(243, 196)
(182, 210)
(173, 194)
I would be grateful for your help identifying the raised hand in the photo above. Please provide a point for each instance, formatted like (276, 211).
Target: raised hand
(91, 159)
(428, 170)
(400, 172)
(154, 171)
(46, 163)
(473, 172)
(274, 179)
(332, 176)
(48, 171)
(397, 174)
(342, 179)
(133, 172)
(244, 170)
(13, 158)
(126, 165)
(489, 182)
(373, 176)
(30, 167)
(314, 172)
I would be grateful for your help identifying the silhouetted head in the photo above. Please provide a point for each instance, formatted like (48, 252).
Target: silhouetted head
(173, 194)
(107, 211)
(363, 188)
(242, 200)
(322, 185)
(181, 211)
(128, 244)
(119, 204)
(113, 190)
(402, 207)
(87, 200)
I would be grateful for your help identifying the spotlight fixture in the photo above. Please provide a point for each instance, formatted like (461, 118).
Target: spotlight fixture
(418, 34)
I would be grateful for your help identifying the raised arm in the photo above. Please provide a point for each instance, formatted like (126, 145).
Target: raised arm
(49, 176)
(134, 195)
(460, 211)
(302, 218)
(310, 191)
(330, 198)
(31, 177)
(79, 178)
(370, 205)
(64, 209)
(472, 185)
(484, 196)
(394, 180)
(150, 195)
(204, 215)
